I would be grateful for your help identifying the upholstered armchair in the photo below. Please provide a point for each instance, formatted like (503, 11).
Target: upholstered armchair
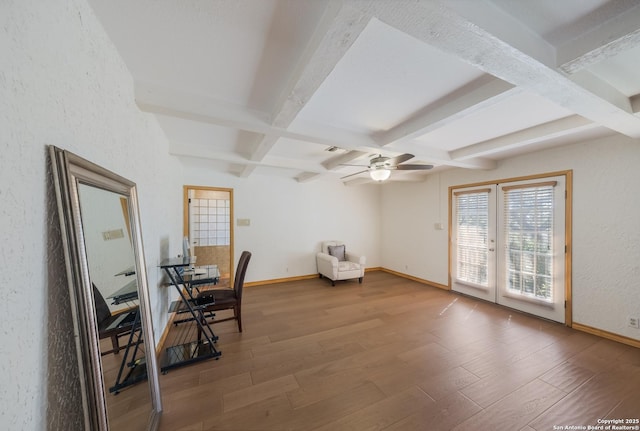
(336, 263)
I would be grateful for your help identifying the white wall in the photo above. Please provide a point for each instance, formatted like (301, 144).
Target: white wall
(101, 212)
(289, 220)
(606, 230)
(63, 83)
(411, 243)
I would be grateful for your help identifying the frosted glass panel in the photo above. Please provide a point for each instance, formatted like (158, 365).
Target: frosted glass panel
(211, 221)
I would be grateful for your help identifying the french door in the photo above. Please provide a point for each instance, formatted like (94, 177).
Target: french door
(508, 244)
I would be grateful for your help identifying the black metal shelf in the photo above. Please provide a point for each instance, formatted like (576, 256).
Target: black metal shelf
(195, 340)
(184, 354)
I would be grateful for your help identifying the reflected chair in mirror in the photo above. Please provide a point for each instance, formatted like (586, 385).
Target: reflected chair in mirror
(336, 263)
(221, 298)
(114, 325)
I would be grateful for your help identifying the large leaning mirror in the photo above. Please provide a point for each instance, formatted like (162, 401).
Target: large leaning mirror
(110, 304)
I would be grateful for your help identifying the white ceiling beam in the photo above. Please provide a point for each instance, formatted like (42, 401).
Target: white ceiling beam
(635, 103)
(338, 29)
(199, 109)
(493, 19)
(306, 177)
(596, 45)
(263, 147)
(532, 135)
(342, 138)
(335, 162)
(246, 171)
(439, 26)
(186, 150)
(441, 157)
(601, 42)
(602, 89)
(471, 98)
(149, 97)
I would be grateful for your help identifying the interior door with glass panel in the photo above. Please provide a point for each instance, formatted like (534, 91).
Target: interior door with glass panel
(208, 215)
(473, 242)
(508, 245)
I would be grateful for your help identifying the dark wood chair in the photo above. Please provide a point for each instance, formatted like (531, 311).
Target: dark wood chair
(216, 299)
(115, 325)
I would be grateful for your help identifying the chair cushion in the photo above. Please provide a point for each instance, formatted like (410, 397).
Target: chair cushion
(337, 251)
(348, 266)
(215, 295)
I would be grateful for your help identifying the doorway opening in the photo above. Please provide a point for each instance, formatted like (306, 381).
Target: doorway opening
(208, 215)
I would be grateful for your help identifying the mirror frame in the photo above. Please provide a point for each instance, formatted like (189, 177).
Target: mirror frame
(70, 170)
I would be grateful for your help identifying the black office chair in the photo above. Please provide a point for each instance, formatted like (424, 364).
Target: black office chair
(217, 299)
(115, 325)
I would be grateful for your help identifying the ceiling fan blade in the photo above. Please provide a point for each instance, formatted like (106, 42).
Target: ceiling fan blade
(353, 175)
(413, 167)
(393, 161)
(347, 164)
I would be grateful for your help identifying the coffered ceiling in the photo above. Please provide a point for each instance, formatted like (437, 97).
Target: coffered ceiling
(268, 87)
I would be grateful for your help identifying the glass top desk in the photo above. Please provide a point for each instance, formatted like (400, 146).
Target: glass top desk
(126, 293)
(197, 276)
(194, 341)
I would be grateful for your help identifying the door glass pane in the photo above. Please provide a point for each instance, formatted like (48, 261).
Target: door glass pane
(529, 247)
(472, 235)
(210, 228)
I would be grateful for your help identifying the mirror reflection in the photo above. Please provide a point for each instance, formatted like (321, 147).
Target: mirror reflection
(111, 267)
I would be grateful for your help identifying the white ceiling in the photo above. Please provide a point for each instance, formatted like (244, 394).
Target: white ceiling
(265, 87)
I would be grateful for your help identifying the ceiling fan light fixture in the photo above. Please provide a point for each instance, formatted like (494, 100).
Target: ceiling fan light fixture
(379, 174)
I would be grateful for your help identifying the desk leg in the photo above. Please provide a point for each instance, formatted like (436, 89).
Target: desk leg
(137, 367)
(189, 350)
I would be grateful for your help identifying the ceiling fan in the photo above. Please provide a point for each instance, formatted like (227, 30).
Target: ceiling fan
(380, 167)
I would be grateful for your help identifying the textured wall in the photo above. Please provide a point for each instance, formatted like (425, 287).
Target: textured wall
(606, 232)
(63, 83)
(289, 220)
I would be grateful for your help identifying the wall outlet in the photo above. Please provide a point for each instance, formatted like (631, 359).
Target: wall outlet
(633, 322)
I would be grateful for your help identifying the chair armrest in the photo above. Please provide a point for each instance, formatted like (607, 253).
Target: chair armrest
(327, 258)
(327, 265)
(352, 257)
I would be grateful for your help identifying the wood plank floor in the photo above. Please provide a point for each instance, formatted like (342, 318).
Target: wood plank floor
(393, 354)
